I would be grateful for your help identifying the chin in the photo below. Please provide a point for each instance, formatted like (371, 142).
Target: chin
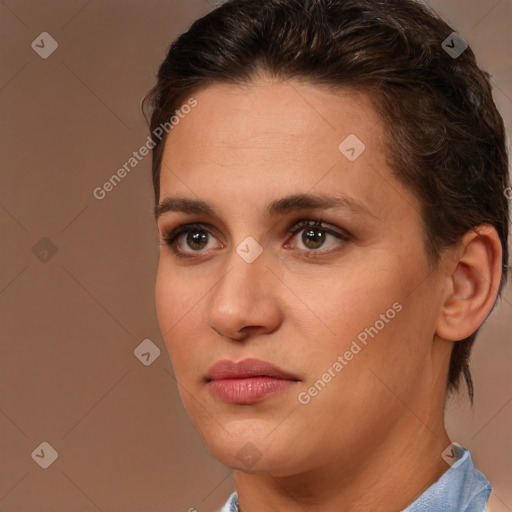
(251, 451)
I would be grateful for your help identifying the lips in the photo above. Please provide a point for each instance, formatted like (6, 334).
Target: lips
(247, 382)
(247, 368)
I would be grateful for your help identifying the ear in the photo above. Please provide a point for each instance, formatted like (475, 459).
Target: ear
(472, 284)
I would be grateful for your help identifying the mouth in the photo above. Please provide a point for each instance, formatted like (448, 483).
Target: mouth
(247, 382)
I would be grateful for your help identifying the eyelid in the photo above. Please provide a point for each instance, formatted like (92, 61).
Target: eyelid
(184, 228)
(320, 224)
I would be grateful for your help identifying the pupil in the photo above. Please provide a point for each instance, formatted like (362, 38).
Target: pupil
(197, 239)
(313, 238)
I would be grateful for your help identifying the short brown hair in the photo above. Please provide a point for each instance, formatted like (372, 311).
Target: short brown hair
(446, 139)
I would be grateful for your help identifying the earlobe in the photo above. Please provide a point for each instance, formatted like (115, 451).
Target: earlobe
(472, 284)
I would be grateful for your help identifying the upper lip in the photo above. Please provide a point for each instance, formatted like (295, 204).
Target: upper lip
(226, 369)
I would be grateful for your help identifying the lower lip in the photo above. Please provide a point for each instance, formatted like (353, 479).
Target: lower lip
(248, 391)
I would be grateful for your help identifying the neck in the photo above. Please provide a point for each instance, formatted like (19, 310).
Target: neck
(386, 476)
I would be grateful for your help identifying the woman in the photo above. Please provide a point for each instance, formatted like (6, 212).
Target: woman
(329, 182)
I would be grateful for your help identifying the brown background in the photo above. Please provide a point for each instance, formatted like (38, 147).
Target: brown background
(69, 325)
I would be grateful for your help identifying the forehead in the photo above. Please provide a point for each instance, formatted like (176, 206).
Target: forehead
(269, 113)
(261, 140)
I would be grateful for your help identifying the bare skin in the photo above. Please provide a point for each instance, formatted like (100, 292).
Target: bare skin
(372, 438)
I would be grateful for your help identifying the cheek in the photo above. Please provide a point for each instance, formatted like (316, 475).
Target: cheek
(176, 307)
(370, 305)
(166, 299)
(349, 298)
(176, 295)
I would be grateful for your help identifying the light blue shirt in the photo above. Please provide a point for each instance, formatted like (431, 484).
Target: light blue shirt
(461, 489)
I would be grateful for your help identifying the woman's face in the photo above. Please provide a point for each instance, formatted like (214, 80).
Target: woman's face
(298, 248)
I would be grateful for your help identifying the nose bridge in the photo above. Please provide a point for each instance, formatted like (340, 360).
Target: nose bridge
(243, 297)
(243, 281)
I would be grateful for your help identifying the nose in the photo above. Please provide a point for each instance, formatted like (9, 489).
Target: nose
(244, 302)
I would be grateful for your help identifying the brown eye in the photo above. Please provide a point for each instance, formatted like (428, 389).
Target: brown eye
(197, 239)
(192, 240)
(313, 238)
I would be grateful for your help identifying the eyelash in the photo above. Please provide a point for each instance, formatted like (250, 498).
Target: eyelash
(301, 225)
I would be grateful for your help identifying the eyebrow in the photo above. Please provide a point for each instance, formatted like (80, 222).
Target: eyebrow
(288, 204)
